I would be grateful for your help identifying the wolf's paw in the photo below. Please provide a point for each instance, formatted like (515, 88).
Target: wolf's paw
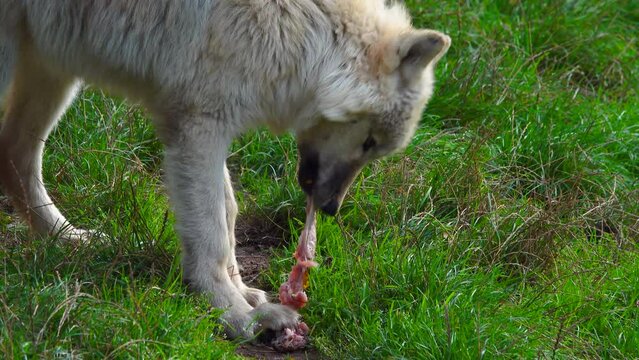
(254, 296)
(238, 325)
(267, 316)
(275, 316)
(80, 236)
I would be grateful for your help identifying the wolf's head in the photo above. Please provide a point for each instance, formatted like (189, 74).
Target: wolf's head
(370, 108)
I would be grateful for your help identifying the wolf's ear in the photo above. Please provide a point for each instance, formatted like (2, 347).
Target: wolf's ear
(410, 53)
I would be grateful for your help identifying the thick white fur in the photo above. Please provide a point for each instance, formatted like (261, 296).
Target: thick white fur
(208, 70)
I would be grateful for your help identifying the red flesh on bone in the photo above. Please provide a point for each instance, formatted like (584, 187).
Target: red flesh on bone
(292, 292)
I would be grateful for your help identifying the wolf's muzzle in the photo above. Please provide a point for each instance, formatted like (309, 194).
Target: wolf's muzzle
(329, 189)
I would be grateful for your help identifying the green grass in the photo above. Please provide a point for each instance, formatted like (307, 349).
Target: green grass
(481, 240)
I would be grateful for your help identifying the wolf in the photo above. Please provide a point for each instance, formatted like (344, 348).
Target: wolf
(350, 78)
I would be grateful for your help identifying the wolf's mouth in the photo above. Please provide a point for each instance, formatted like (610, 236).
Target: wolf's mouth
(331, 207)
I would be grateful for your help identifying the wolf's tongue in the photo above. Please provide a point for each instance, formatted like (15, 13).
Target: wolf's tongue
(292, 292)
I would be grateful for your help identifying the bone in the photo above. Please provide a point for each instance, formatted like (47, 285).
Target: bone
(292, 291)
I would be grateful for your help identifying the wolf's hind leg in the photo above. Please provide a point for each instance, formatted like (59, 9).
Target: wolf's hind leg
(252, 295)
(35, 101)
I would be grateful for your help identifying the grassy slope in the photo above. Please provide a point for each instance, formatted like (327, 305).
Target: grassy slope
(481, 240)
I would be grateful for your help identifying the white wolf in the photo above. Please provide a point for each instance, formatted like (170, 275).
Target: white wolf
(349, 77)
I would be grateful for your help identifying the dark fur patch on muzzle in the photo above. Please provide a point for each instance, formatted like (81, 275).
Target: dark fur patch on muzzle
(308, 169)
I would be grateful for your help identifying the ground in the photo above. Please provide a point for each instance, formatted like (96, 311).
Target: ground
(509, 228)
(257, 238)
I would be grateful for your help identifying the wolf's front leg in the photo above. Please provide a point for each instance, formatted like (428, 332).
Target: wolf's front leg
(254, 296)
(195, 177)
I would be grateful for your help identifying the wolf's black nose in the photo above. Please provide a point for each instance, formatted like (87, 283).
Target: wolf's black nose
(331, 207)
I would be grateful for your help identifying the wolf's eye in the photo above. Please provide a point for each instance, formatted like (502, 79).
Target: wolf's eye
(369, 143)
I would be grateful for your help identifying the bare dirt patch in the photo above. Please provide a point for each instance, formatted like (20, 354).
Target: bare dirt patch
(267, 353)
(256, 237)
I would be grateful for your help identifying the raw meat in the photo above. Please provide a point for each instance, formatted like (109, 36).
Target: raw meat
(291, 339)
(292, 292)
